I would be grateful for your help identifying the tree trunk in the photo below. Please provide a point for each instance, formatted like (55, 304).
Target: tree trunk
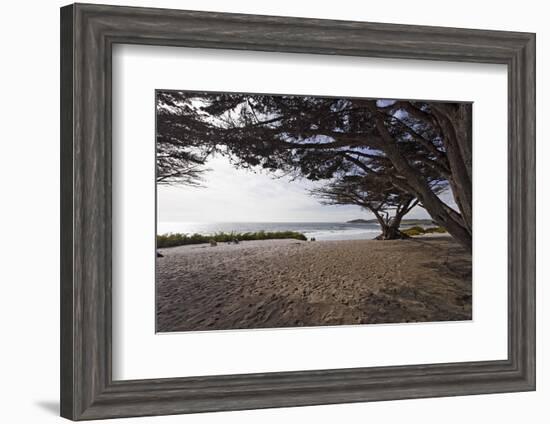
(441, 213)
(391, 232)
(456, 124)
(390, 226)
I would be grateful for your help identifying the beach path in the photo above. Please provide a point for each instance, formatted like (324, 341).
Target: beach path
(291, 283)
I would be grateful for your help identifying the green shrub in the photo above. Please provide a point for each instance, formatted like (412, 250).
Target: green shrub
(418, 231)
(413, 232)
(179, 239)
(435, 230)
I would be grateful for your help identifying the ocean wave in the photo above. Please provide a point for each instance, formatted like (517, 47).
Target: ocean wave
(317, 230)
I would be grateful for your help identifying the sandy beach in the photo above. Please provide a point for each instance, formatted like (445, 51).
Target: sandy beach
(291, 283)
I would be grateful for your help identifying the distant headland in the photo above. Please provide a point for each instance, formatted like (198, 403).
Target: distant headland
(403, 222)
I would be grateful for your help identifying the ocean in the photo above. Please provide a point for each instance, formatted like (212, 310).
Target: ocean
(317, 230)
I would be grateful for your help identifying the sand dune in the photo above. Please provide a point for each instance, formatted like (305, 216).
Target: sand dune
(289, 283)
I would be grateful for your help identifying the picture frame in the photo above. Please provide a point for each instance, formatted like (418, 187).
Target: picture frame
(88, 33)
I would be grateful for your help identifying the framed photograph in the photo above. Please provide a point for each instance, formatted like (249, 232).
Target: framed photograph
(264, 212)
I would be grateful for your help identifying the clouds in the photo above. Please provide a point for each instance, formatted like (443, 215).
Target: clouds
(240, 195)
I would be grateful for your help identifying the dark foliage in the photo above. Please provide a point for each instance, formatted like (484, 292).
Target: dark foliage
(177, 239)
(417, 147)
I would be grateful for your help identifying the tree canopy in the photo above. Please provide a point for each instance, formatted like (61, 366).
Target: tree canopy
(388, 203)
(417, 148)
(180, 150)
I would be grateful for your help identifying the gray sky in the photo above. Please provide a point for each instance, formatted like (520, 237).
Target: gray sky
(238, 195)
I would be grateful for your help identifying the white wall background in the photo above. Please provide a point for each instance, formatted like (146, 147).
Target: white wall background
(29, 174)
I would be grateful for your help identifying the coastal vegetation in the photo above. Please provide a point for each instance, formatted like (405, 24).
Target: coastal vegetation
(179, 239)
(418, 231)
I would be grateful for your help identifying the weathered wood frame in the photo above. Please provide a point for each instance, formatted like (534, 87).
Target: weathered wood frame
(88, 33)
